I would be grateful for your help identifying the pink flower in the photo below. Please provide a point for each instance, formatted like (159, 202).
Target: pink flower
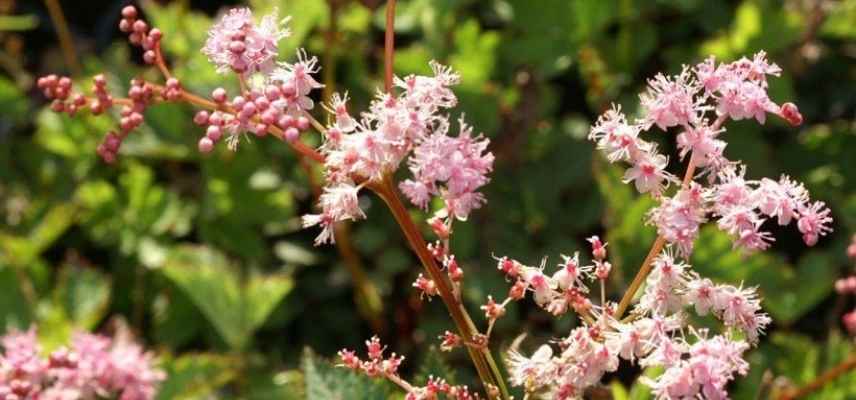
(452, 167)
(648, 173)
(618, 139)
(338, 203)
(678, 218)
(236, 43)
(814, 221)
(670, 102)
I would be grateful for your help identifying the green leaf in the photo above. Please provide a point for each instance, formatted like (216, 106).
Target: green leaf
(18, 22)
(23, 250)
(434, 365)
(84, 294)
(13, 102)
(234, 307)
(15, 311)
(196, 376)
(474, 56)
(787, 292)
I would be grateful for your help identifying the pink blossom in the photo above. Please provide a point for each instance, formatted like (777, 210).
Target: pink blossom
(648, 173)
(678, 218)
(670, 101)
(238, 44)
(93, 366)
(814, 221)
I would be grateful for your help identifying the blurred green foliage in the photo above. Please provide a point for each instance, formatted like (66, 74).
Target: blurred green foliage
(204, 256)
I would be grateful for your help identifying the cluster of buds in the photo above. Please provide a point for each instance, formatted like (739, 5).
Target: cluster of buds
(92, 366)
(566, 288)
(450, 341)
(436, 387)
(139, 34)
(376, 364)
(280, 105)
(59, 89)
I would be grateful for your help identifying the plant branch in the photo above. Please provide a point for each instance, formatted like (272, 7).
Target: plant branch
(389, 44)
(846, 366)
(658, 244)
(66, 42)
(482, 358)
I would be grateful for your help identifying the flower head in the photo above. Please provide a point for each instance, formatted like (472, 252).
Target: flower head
(237, 43)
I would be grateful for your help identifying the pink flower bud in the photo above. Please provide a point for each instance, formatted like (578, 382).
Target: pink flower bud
(286, 121)
(213, 132)
(125, 26)
(201, 118)
(292, 134)
(791, 113)
(156, 34)
(260, 129)
(149, 57)
(129, 12)
(302, 123)
(219, 95)
(206, 145)
(237, 47)
(140, 26)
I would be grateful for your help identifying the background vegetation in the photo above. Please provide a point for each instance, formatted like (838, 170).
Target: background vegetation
(204, 257)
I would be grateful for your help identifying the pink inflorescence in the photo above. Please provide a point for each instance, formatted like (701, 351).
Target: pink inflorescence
(141, 94)
(237, 43)
(412, 126)
(140, 34)
(697, 102)
(282, 102)
(93, 366)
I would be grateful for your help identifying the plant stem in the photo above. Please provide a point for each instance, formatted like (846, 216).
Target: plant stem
(658, 245)
(846, 366)
(482, 358)
(66, 42)
(645, 269)
(389, 44)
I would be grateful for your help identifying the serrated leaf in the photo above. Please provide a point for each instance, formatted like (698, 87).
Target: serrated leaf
(236, 309)
(84, 294)
(196, 376)
(788, 292)
(434, 365)
(15, 311)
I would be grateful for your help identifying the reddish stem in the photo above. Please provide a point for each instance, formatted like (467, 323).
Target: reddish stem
(389, 44)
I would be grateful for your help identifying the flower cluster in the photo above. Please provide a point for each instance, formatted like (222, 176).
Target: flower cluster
(387, 367)
(93, 366)
(236, 43)
(140, 34)
(411, 123)
(697, 102)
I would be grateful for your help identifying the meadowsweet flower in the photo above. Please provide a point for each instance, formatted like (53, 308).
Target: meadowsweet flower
(237, 43)
(92, 366)
(667, 278)
(737, 307)
(530, 372)
(460, 163)
(678, 218)
(704, 371)
(671, 101)
(410, 126)
(648, 173)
